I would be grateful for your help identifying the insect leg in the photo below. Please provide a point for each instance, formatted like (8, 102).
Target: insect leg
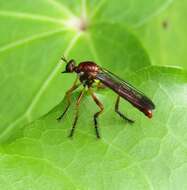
(119, 113)
(96, 115)
(77, 112)
(68, 95)
(64, 59)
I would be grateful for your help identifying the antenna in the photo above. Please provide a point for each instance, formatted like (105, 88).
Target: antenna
(64, 59)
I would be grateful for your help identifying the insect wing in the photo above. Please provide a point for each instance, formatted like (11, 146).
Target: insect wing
(127, 91)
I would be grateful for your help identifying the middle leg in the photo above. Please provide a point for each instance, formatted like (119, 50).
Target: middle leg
(96, 115)
(77, 112)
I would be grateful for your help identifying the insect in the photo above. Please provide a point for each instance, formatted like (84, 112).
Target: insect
(88, 73)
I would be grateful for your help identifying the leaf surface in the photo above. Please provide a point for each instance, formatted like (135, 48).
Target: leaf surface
(150, 154)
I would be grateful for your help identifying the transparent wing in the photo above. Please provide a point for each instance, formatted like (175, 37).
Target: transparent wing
(125, 90)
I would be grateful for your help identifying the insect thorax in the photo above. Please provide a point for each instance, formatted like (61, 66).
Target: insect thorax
(86, 79)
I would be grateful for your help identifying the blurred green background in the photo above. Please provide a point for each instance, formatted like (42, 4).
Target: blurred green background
(144, 42)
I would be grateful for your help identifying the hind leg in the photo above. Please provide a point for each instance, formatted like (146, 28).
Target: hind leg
(119, 113)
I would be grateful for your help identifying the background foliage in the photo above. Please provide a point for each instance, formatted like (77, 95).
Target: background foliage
(139, 41)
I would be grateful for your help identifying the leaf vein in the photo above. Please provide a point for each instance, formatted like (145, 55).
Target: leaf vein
(29, 40)
(37, 17)
(50, 77)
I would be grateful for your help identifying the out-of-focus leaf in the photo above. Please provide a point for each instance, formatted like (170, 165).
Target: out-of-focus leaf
(165, 36)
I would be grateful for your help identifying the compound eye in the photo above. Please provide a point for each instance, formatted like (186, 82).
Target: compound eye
(70, 66)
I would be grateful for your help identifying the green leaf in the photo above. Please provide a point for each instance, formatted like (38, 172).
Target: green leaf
(34, 83)
(131, 12)
(165, 36)
(35, 34)
(149, 154)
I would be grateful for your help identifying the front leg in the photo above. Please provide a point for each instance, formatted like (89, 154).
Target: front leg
(68, 95)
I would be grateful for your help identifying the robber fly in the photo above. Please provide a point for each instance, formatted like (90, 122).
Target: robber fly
(88, 73)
